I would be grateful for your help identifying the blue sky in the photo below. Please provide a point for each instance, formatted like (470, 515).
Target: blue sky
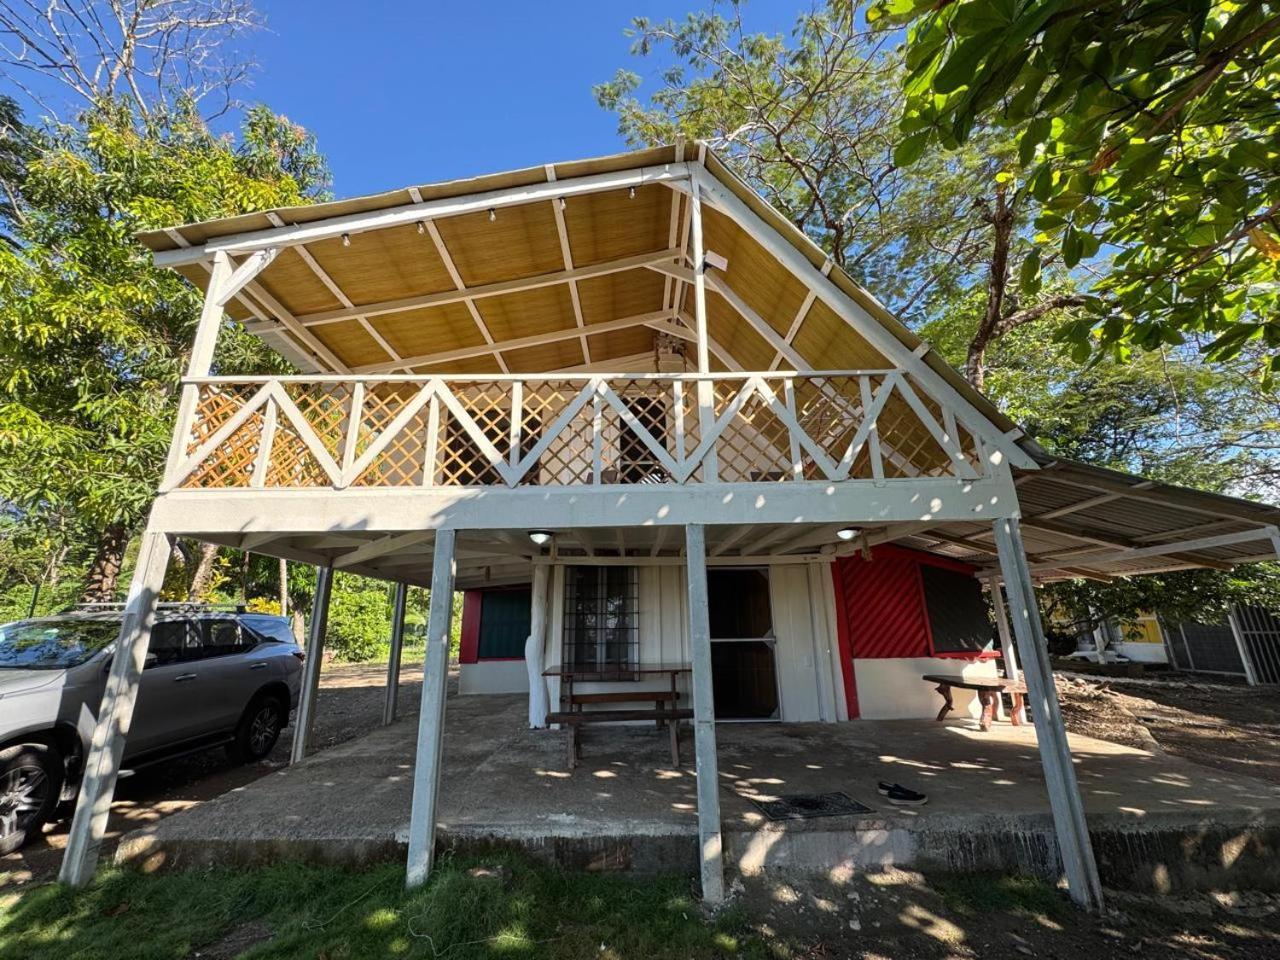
(400, 93)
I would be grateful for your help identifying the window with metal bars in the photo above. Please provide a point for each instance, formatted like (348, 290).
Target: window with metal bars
(601, 625)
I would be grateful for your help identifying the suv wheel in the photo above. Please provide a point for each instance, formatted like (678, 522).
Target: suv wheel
(30, 784)
(259, 729)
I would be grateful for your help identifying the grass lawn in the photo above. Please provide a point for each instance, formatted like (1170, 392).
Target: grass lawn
(521, 909)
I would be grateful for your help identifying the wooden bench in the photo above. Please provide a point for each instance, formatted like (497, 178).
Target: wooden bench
(988, 689)
(573, 719)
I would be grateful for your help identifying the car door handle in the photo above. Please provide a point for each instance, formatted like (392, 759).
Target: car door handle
(258, 665)
(185, 676)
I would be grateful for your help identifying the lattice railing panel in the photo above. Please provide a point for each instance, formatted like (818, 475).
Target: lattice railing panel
(441, 432)
(292, 462)
(326, 407)
(232, 462)
(216, 403)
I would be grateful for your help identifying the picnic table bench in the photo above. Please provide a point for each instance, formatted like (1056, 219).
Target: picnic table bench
(665, 710)
(988, 690)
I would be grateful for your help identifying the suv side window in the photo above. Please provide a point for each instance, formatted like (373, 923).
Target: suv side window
(224, 637)
(174, 640)
(270, 628)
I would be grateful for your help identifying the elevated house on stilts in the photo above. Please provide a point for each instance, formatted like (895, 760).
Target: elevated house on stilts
(729, 456)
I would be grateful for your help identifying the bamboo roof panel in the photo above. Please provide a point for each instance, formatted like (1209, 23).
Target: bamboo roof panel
(296, 286)
(467, 367)
(545, 356)
(415, 333)
(736, 335)
(383, 264)
(351, 342)
(625, 294)
(528, 312)
(612, 225)
(825, 335)
(620, 343)
(755, 275)
(521, 242)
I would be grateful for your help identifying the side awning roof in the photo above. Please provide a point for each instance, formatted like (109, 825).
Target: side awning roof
(1083, 520)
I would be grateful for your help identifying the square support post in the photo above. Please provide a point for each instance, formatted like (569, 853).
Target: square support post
(115, 713)
(1007, 651)
(535, 647)
(397, 646)
(305, 721)
(710, 852)
(706, 394)
(1051, 736)
(426, 769)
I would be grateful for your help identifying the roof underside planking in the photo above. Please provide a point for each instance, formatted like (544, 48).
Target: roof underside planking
(583, 280)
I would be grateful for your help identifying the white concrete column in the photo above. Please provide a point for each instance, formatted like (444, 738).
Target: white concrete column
(397, 646)
(426, 770)
(704, 717)
(115, 712)
(304, 723)
(1007, 651)
(536, 646)
(1055, 752)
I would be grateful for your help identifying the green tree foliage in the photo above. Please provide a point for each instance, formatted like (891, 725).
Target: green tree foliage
(93, 337)
(1162, 415)
(1147, 129)
(810, 120)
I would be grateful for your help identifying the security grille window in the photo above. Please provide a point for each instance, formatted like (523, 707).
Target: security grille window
(601, 628)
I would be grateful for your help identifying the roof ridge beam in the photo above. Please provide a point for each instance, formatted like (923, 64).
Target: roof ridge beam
(252, 240)
(487, 290)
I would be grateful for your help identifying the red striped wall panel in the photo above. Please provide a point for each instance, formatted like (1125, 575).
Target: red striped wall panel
(884, 604)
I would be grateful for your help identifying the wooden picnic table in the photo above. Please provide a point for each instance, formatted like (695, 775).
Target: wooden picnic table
(988, 690)
(665, 712)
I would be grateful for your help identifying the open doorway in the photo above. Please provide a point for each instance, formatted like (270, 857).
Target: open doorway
(744, 671)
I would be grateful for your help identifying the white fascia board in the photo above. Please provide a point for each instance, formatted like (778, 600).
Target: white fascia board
(434, 209)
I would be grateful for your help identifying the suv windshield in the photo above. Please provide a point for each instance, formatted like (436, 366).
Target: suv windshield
(53, 644)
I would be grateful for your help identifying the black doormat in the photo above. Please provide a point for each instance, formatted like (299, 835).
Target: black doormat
(804, 806)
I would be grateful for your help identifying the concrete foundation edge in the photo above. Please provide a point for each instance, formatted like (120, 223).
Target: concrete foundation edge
(1172, 855)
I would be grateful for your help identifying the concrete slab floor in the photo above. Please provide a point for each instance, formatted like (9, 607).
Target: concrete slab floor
(503, 782)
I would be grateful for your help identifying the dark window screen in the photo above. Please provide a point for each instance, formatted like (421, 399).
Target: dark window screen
(958, 617)
(601, 629)
(738, 603)
(504, 624)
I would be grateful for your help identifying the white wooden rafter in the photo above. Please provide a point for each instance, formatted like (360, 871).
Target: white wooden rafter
(567, 255)
(447, 259)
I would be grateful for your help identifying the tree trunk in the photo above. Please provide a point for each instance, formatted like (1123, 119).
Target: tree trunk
(1001, 220)
(100, 581)
(203, 576)
(284, 587)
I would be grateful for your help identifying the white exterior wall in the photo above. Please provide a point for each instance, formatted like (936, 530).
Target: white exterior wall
(493, 676)
(891, 688)
(803, 623)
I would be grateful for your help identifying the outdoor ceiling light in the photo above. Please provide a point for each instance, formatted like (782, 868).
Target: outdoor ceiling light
(847, 533)
(493, 214)
(346, 239)
(540, 538)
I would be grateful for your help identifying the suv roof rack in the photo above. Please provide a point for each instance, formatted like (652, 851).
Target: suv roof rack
(93, 606)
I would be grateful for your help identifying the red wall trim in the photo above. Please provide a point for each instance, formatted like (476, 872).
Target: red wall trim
(845, 645)
(470, 651)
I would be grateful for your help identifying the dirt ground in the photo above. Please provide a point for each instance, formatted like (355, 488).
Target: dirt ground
(1233, 728)
(898, 915)
(350, 704)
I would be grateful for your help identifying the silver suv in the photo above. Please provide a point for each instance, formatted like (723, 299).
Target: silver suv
(212, 678)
